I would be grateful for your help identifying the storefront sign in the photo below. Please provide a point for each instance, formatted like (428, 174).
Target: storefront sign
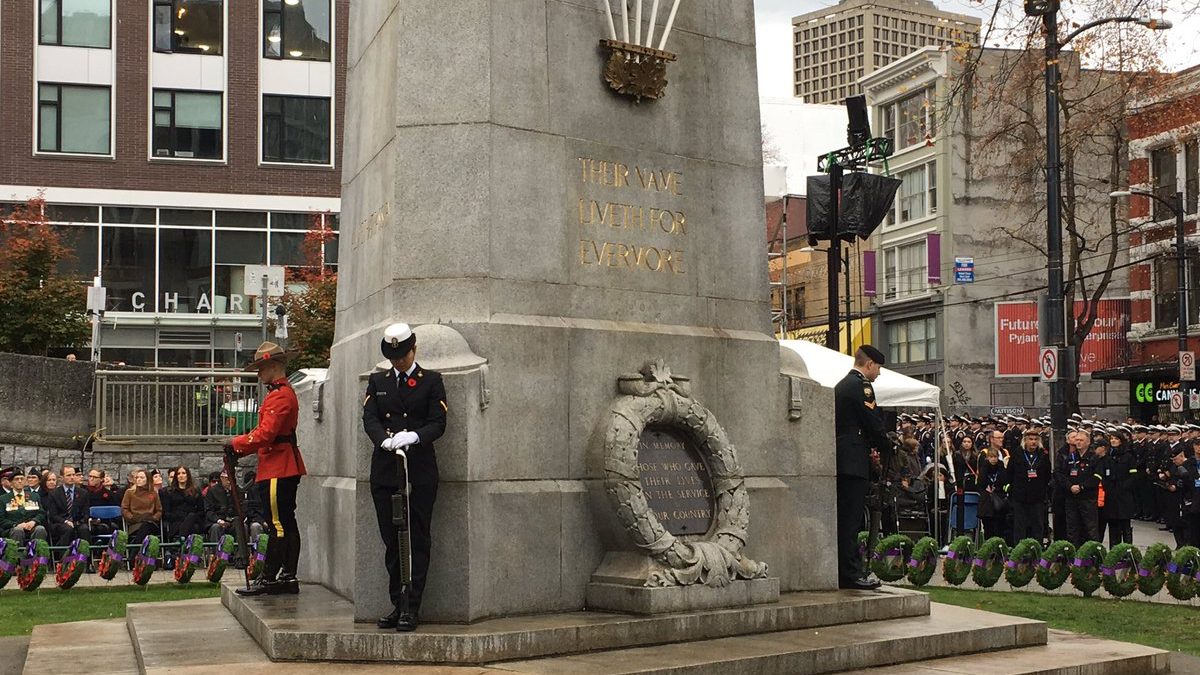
(1159, 393)
(1017, 343)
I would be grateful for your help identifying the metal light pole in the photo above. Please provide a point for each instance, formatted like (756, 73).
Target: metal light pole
(1054, 332)
(834, 256)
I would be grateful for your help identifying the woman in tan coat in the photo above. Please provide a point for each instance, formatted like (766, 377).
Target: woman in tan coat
(141, 508)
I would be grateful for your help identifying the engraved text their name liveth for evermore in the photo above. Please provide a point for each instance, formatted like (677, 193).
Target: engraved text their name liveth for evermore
(613, 232)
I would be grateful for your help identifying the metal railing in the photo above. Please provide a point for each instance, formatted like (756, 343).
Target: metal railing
(174, 405)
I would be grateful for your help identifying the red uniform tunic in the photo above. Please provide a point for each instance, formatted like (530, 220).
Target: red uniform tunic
(274, 439)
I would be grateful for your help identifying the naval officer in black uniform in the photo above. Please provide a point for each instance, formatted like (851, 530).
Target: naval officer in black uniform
(405, 409)
(859, 429)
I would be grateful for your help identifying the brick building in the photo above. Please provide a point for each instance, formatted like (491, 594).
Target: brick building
(175, 141)
(1164, 158)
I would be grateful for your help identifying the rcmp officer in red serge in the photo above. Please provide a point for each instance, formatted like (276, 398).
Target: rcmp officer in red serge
(858, 430)
(280, 467)
(405, 409)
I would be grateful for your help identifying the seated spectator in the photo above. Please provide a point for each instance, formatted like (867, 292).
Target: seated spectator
(141, 508)
(256, 511)
(21, 514)
(6, 475)
(67, 509)
(33, 482)
(213, 479)
(156, 481)
(183, 506)
(218, 508)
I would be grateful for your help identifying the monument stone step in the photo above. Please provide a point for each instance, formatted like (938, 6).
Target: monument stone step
(103, 645)
(948, 631)
(318, 625)
(1063, 654)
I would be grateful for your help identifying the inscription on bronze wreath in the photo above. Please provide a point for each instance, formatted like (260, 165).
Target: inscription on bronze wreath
(675, 481)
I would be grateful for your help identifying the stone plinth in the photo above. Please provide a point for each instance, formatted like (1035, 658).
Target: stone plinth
(500, 197)
(671, 599)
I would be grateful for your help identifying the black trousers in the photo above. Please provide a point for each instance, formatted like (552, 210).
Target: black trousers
(1083, 520)
(1029, 521)
(1120, 531)
(62, 534)
(283, 546)
(420, 516)
(851, 502)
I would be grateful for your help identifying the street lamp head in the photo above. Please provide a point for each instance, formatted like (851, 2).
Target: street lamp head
(1117, 194)
(1154, 24)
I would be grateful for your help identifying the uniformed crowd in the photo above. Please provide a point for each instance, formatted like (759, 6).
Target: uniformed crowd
(56, 507)
(1105, 475)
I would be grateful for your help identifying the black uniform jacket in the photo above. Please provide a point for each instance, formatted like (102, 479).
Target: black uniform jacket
(857, 425)
(417, 403)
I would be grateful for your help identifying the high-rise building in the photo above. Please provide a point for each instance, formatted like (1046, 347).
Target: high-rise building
(834, 47)
(175, 142)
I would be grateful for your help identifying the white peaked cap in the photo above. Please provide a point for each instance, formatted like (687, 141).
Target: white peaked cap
(397, 333)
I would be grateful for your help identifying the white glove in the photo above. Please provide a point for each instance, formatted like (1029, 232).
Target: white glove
(403, 439)
(389, 443)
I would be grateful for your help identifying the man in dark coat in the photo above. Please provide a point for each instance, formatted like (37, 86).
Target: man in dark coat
(1029, 488)
(404, 412)
(1118, 473)
(67, 509)
(859, 430)
(1076, 476)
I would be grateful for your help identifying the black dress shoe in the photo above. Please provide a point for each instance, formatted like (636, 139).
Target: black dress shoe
(284, 586)
(389, 622)
(259, 587)
(861, 584)
(407, 623)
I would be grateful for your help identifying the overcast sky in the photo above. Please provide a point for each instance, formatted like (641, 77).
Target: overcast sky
(774, 32)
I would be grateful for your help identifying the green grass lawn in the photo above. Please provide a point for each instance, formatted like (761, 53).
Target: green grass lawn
(1165, 626)
(22, 611)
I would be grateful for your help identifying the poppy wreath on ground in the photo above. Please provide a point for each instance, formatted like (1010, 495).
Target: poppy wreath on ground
(1022, 563)
(923, 561)
(258, 557)
(114, 555)
(957, 565)
(1181, 573)
(146, 560)
(33, 565)
(988, 564)
(889, 561)
(1120, 570)
(863, 559)
(220, 559)
(1085, 570)
(1152, 571)
(71, 567)
(189, 558)
(1055, 565)
(10, 558)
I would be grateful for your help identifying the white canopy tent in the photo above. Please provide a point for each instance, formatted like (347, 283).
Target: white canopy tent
(892, 390)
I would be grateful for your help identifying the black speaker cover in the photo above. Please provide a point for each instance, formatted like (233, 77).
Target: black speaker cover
(866, 199)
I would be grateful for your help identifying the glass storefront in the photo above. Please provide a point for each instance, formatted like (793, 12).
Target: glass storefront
(160, 264)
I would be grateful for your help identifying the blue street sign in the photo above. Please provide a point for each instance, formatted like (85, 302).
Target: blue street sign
(964, 270)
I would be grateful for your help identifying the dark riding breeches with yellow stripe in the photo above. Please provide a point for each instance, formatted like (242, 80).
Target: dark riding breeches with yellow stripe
(278, 497)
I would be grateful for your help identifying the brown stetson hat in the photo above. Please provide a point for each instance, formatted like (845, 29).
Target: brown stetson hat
(268, 352)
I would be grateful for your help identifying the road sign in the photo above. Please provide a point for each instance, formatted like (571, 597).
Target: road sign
(237, 342)
(1177, 401)
(254, 280)
(1194, 399)
(96, 298)
(1187, 366)
(964, 270)
(1048, 364)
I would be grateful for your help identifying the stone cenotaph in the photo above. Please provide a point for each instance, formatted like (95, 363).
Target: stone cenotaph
(573, 220)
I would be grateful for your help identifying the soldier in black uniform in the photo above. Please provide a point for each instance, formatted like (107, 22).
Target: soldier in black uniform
(405, 409)
(858, 430)
(1078, 483)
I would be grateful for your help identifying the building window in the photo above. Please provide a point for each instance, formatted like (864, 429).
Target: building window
(75, 23)
(73, 119)
(910, 121)
(904, 270)
(189, 26)
(127, 267)
(296, 29)
(1166, 290)
(913, 340)
(917, 196)
(1162, 164)
(1191, 184)
(296, 129)
(187, 124)
(185, 272)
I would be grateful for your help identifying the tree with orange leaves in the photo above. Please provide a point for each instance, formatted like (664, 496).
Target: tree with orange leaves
(40, 309)
(311, 308)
